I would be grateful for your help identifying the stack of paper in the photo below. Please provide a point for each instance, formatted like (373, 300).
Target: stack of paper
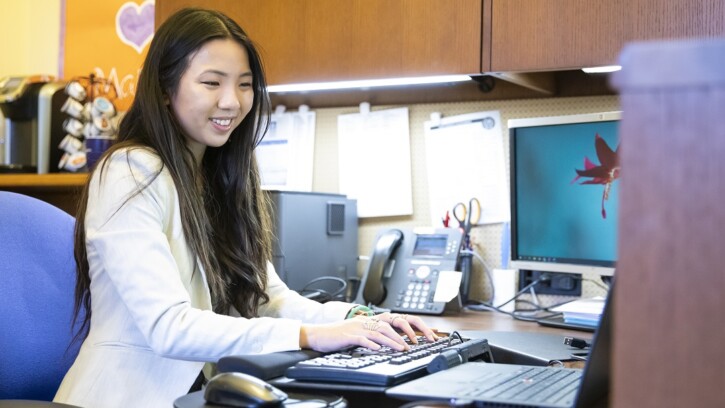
(582, 311)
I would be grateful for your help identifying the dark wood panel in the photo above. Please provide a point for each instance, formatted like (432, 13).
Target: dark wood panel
(486, 17)
(668, 343)
(325, 40)
(566, 34)
(61, 189)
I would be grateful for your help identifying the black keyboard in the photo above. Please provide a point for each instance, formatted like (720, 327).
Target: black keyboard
(530, 384)
(382, 367)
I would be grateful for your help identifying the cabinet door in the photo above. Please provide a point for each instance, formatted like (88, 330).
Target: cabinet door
(328, 40)
(564, 34)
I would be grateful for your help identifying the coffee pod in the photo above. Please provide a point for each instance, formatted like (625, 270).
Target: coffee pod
(86, 113)
(89, 130)
(72, 161)
(73, 108)
(71, 144)
(75, 90)
(73, 126)
(102, 108)
(104, 126)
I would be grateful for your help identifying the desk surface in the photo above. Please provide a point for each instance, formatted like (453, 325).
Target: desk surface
(472, 320)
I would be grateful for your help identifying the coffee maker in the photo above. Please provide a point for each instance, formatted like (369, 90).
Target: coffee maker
(32, 125)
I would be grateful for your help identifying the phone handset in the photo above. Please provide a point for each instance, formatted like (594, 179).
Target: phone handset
(374, 291)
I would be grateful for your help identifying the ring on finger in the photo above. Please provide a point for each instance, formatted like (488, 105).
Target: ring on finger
(395, 317)
(372, 324)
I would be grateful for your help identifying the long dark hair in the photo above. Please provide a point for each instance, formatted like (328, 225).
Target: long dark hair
(224, 211)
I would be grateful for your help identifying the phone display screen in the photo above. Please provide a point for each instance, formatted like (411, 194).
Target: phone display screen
(430, 245)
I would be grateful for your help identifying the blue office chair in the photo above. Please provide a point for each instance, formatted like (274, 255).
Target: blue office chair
(37, 282)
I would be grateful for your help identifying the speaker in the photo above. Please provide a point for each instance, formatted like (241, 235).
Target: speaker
(335, 218)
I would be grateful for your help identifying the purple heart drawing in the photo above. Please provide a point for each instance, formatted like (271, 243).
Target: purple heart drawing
(135, 24)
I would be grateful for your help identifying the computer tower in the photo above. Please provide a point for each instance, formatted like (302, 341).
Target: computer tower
(315, 235)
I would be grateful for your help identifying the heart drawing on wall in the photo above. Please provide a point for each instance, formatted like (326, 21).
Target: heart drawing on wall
(135, 24)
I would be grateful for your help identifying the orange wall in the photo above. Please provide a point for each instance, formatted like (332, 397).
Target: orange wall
(24, 48)
(109, 39)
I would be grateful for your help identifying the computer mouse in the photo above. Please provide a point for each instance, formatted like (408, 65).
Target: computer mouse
(242, 390)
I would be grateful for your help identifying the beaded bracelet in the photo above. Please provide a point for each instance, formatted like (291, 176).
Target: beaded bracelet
(360, 310)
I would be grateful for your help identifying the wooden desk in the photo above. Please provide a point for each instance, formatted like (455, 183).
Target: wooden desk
(471, 320)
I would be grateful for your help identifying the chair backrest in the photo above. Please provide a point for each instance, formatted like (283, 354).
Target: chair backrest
(37, 271)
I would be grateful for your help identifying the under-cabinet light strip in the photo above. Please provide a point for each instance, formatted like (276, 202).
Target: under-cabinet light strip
(602, 69)
(366, 83)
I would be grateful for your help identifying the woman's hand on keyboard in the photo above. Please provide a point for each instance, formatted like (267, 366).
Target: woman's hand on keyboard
(407, 324)
(370, 332)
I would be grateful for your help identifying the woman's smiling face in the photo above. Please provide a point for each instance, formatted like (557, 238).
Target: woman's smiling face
(214, 94)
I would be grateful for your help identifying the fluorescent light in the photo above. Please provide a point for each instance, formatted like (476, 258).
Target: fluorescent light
(366, 83)
(602, 69)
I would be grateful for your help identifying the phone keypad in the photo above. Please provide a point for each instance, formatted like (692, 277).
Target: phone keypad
(418, 295)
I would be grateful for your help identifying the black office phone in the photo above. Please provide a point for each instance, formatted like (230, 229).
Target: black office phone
(405, 266)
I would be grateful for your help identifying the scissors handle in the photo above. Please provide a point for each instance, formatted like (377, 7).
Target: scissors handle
(474, 211)
(460, 212)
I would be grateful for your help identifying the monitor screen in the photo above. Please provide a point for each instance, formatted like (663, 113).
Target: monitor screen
(564, 193)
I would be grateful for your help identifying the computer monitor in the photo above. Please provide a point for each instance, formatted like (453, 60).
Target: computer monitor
(564, 193)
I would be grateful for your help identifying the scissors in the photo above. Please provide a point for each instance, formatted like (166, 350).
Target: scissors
(467, 216)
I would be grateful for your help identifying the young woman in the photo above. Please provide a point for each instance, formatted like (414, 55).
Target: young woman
(173, 236)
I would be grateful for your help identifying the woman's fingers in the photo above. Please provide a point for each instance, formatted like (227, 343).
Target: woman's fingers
(382, 333)
(418, 323)
(363, 341)
(399, 322)
(407, 323)
(369, 332)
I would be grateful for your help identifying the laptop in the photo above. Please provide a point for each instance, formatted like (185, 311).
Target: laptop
(502, 385)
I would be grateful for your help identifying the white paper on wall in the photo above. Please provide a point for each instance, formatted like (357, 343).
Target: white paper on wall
(285, 156)
(465, 159)
(374, 154)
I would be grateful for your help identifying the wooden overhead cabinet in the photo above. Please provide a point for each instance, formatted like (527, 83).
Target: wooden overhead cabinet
(332, 40)
(549, 35)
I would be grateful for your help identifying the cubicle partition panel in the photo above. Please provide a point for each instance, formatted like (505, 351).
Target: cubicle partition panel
(669, 333)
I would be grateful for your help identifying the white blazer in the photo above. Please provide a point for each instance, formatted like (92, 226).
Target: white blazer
(152, 328)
